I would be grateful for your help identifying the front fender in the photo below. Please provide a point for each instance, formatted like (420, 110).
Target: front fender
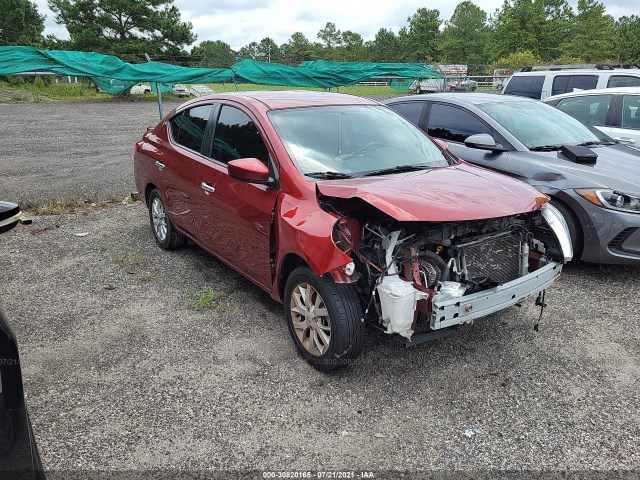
(305, 230)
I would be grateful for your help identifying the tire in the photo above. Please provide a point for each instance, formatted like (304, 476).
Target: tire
(575, 229)
(163, 230)
(342, 325)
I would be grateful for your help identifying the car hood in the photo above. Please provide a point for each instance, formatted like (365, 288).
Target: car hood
(455, 193)
(617, 167)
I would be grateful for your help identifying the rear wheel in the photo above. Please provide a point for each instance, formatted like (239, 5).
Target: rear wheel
(324, 319)
(163, 230)
(575, 230)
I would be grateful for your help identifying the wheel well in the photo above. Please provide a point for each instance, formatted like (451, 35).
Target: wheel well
(576, 222)
(147, 191)
(289, 264)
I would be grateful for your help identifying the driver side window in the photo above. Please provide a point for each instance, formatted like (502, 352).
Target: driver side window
(236, 136)
(454, 124)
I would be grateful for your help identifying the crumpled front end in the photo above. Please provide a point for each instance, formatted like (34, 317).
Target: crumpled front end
(427, 276)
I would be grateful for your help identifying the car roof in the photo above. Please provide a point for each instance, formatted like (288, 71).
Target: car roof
(598, 91)
(277, 99)
(463, 98)
(573, 71)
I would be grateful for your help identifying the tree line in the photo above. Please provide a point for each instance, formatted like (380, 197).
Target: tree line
(521, 32)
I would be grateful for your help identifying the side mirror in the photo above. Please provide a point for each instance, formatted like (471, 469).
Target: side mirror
(9, 216)
(249, 170)
(483, 141)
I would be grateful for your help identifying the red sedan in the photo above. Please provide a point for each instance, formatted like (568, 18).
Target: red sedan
(348, 214)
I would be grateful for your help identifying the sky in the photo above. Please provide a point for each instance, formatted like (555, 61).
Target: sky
(239, 22)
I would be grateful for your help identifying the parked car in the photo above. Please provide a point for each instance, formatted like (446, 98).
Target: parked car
(140, 89)
(347, 213)
(531, 141)
(614, 111)
(19, 457)
(545, 83)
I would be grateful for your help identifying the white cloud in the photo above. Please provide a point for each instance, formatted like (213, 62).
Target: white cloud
(238, 22)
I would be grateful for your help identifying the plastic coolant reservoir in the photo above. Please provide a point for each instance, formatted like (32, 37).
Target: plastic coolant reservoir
(398, 301)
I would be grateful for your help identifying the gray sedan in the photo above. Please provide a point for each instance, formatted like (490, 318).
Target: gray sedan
(524, 138)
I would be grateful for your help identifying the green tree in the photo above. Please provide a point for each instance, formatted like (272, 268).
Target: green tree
(593, 36)
(20, 23)
(517, 60)
(628, 46)
(465, 37)
(351, 48)
(555, 29)
(250, 51)
(119, 26)
(268, 51)
(330, 38)
(385, 47)
(298, 49)
(423, 36)
(516, 27)
(213, 54)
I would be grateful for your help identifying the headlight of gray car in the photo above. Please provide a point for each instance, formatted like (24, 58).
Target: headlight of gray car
(611, 199)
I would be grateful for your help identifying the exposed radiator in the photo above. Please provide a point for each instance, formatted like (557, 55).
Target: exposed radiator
(497, 258)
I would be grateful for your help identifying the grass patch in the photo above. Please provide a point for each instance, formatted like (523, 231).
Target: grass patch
(201, 300)
(361, 90)
(125, 257)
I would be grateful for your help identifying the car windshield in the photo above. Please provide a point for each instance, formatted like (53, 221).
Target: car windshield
(540, 126)
(353, 140)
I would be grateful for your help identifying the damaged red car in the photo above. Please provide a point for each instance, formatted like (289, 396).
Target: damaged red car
(346, 213)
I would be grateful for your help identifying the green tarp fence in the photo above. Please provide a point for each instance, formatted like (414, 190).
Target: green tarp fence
(113, 75)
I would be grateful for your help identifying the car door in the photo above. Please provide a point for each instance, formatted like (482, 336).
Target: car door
(454, 124)
(178, 167)
(627, 122)
(235, 217)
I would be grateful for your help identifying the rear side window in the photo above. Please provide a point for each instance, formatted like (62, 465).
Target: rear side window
(236, 136)
(623, 81)
(631, 111)
(525, 86)
(454, 124)
(409, 110)
(591, 109)
(187, 128)
(569, 83)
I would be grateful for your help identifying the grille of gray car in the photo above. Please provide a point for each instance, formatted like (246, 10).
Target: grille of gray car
(496, 258)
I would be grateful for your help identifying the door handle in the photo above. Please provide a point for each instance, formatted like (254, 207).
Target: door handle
(207, 188)
(159, 164)
(625, 140)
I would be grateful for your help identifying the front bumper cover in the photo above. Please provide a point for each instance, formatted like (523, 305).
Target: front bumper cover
(461, 310)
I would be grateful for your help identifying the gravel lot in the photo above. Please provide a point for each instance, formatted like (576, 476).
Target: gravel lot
(123, 373)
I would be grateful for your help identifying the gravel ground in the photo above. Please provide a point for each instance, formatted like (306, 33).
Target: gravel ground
(123, 373)
(82, 150)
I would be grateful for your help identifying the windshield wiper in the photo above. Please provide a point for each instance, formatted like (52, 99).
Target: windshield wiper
(396, 169)
(592, 143)
(545, 148)
(328, 175)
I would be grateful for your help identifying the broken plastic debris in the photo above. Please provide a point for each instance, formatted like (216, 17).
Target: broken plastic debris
(471, 432)
(81, 234)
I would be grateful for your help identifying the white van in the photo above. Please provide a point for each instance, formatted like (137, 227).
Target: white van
(543, 84)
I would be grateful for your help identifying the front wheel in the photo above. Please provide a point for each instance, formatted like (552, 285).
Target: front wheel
(167, 237)
(324, 319)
